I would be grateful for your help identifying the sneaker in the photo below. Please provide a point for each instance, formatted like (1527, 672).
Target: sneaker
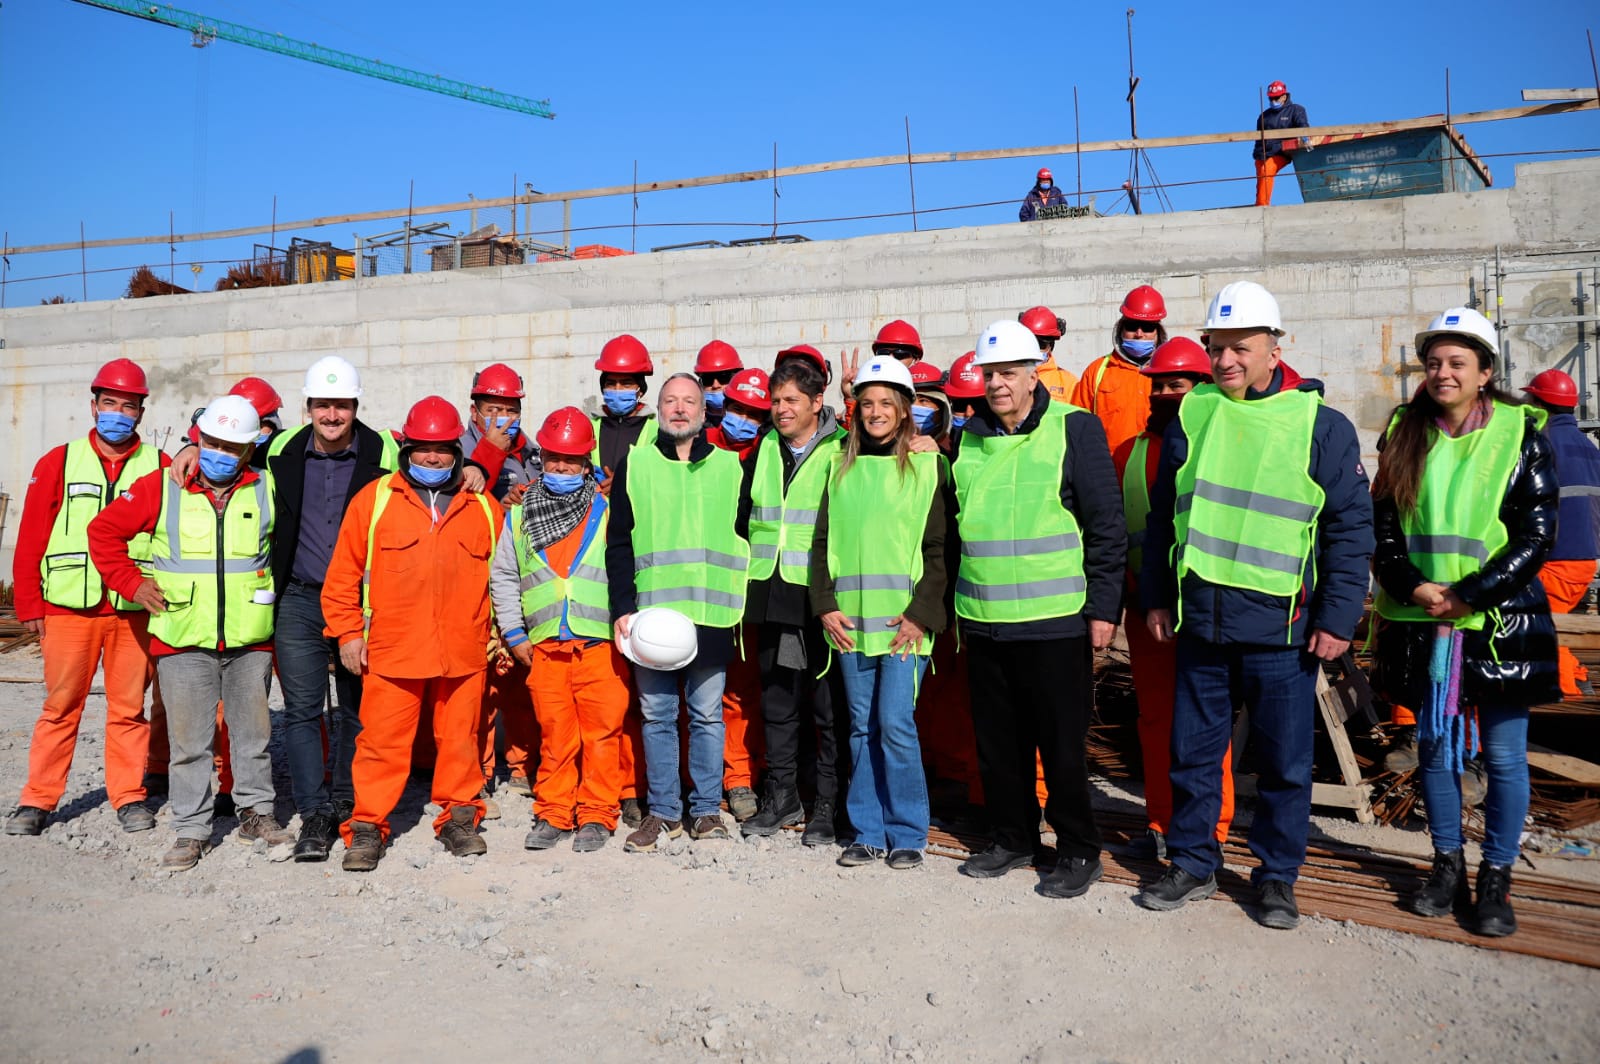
(742, 803)
(1175, 889)
(900, 860)
(780, 807)
(544, 835)
(365, 849)
(518, 784)
(708, 828)
(185, 854)
(1072, 877)
(859, 854)
(222, 805)
(460, 836)
(1278, 910)
(491, 808)
(1495, 918)
(1402, 755)
(1474, 785)
(257, 825)
(155, 784)
(820, 830)
(590, 837)
(135, 817)
(26, 820)
(1446, 889)
(632, 812)
(649, 834)
(1152, 845)
(317, 832)
(993, 862)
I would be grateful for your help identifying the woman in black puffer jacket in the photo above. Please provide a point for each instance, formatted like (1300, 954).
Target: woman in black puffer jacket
(1465, 505)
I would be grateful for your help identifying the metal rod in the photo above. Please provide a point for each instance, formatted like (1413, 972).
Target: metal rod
(410, 203)
(634, 245)
(911, 175)
(1593, 69)
(1449, 156)
(775, 192)
(172, 254)
(1077, 143)
(273, 239)
(1133, 119)
(83, 261)
(5, 265)
(513, 206)
(566, 225)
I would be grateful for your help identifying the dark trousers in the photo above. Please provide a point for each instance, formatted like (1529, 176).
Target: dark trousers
(1027, 697)
(303, 654)
(793, 700)
(1278, 686)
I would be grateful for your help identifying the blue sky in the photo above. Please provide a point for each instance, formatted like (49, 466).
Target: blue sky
(114, 122)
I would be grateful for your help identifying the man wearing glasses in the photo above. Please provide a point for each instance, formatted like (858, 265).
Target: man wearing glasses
(1112, 387)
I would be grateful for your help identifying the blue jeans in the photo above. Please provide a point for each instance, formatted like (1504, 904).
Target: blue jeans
(1503, 730)
(1278, 687)
(658, 705)
(888, 795)
(303, 653)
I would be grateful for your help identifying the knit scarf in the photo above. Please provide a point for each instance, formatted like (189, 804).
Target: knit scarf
(549, 518)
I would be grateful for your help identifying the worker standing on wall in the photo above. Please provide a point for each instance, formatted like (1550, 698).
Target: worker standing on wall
(1272, 155)
(1047, 329)
(1112, 387)
(715, 365)
(1043, 194)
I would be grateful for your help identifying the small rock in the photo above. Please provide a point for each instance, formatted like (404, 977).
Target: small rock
(715, 1038)
(247, 937)
(935, 999)
(499, 888)
(280, 853)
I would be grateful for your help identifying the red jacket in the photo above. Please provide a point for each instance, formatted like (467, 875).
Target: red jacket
(40, 507)
(716, 437)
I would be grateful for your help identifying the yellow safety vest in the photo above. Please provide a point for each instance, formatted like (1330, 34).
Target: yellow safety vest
(214, 568)
(69, 579)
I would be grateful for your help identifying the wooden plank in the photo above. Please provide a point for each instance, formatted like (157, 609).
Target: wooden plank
(1566, 766)
(1533, 95)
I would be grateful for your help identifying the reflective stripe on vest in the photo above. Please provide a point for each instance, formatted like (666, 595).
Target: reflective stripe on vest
(1136, 500)
(388, 455)
(67, 577)
(680, 503)
(1456, 527)
(876, 518)
(386, 487)
(783, 520)
(583, 592)
(1021, 551)
(1246, 508)
(214, 569)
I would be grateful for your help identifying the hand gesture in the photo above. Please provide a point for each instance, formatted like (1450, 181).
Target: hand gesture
(839, 627)
(907, 638)
(849, 366)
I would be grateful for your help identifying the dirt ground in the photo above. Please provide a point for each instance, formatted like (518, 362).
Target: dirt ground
(759, 951)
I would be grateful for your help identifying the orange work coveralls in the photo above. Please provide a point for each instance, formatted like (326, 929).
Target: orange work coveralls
(1113, 389)
(429, 598)
(1565, 584)
(1057, 381)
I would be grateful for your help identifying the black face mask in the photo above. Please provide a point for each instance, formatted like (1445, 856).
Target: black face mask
(1163, 408)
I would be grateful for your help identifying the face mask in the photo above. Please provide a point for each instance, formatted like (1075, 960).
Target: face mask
(1044, 186)
(620, 401)
(1163, 408)
(112, 426)
(715, 401)
(739, 428)
(923, 416)
(510, 424)
(429, 477)
(958, 422)
(1138, 350)
(562, 483)
(1273, 106)
(218, 466)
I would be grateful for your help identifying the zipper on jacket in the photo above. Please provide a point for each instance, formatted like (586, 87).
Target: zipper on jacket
(222, 584)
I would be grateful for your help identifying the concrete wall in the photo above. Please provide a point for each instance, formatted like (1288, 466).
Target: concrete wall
(1355, 281)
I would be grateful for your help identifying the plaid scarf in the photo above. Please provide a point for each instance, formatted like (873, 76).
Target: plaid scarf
(549, 518)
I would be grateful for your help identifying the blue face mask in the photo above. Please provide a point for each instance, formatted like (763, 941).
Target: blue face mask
(1044, 186)
(957, 423)
(620, 401)
(715, 401)
(112, 426)
(1138, 350)
(510, 424)
(739, 428)
(562, 483)
(429, 477)
(218, 466)
(923, 416)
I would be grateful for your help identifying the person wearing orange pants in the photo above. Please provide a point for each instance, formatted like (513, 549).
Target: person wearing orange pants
(407, 600)
(742, 745)
(1566, 582)
(508, 710)
(1272, 155)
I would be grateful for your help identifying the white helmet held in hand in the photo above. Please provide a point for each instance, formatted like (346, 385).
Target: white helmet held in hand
(1463, 322)
(231, 419)
(1244, 305)
(662, 639)
(1007, 341)
(332, 378)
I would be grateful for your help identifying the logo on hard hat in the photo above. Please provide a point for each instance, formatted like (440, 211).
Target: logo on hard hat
(993, 340)
(1225, 310)
(333, 378)
(1452, 319)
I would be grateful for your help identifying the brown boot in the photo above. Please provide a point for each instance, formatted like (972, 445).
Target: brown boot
(185, 854)
(255, 825)
(459, 835)
(365, 849)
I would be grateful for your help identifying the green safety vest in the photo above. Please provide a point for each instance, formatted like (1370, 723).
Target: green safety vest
(387, 486)
(69, 579)
(1246, 509)
(783, 519)
(594, 455)
(583, 592)
(1456, 527)
(686, 554)
(1021, 551)
(876, 520)
(214, 569)
(389, 458)
(1136, 500)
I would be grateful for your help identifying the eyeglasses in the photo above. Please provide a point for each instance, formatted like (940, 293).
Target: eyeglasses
(896, 351)
(725, 378)
(1139, 326)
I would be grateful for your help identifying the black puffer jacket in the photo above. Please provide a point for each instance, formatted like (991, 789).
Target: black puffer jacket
(1520, 669)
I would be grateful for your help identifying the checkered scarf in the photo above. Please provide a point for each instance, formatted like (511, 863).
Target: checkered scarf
(549, 518)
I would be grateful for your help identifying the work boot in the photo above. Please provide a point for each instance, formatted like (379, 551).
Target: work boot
(543, 836)
(491, 808)
(1474, 785)
(460, 836)
(820, 830)
(1174, 889)
(1072, 877)
(708, 828)
(780, 807)
(518, 784)
(317, 832)
(651, 829)
(993, 862)
(590, 837)
(632, 812)
(135, 817)
(1495, 918)
(900, 860)
(1446, 889)
(185, 854)
(365, 849)
(1402, 755)
(223, 805)
(858, 853)
(255, 825)
(343, 809)
(155, 784)
(1278, 909)
(742, 803)
(27, 820)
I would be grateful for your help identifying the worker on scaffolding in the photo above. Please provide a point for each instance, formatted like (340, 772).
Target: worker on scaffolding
(1043, 194)
(1273, 155)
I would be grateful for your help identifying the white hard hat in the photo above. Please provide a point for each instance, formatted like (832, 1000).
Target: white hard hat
(1465, 323)
(1244, 305)
(332, 378)
(231, 419)
(662, 639)
(1007, 341)
(885, 370)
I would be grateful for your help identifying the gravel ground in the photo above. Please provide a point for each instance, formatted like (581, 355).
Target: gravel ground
(761, 951)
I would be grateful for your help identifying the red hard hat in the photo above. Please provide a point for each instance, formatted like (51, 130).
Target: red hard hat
(263, 396)
(1042, 322)
(1143, 304)
(749, 386)
(120, 375)
(807, 352)
(433, 420)
(965, 379)
(900, 334)
(1553, 387)
(717, 357)
(498, 380)
(1178, 355)
(625, 354)
(1277, 88)
(566, 431)
(1044, 174)
(925, 375)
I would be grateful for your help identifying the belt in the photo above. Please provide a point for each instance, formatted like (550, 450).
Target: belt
(308, 585)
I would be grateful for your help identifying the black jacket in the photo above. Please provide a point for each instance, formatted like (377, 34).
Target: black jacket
(775, 600)
(288, 468)
(1524, 643)
(1290, 116)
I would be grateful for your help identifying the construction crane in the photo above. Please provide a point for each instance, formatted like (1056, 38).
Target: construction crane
(206, 29)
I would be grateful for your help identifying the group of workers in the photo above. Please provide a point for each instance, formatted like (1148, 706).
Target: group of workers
(653, 610)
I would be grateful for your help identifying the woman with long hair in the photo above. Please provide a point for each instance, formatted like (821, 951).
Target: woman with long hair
(1465, 505)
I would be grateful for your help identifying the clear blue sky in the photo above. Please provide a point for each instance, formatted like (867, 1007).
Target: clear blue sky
(115, 122)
